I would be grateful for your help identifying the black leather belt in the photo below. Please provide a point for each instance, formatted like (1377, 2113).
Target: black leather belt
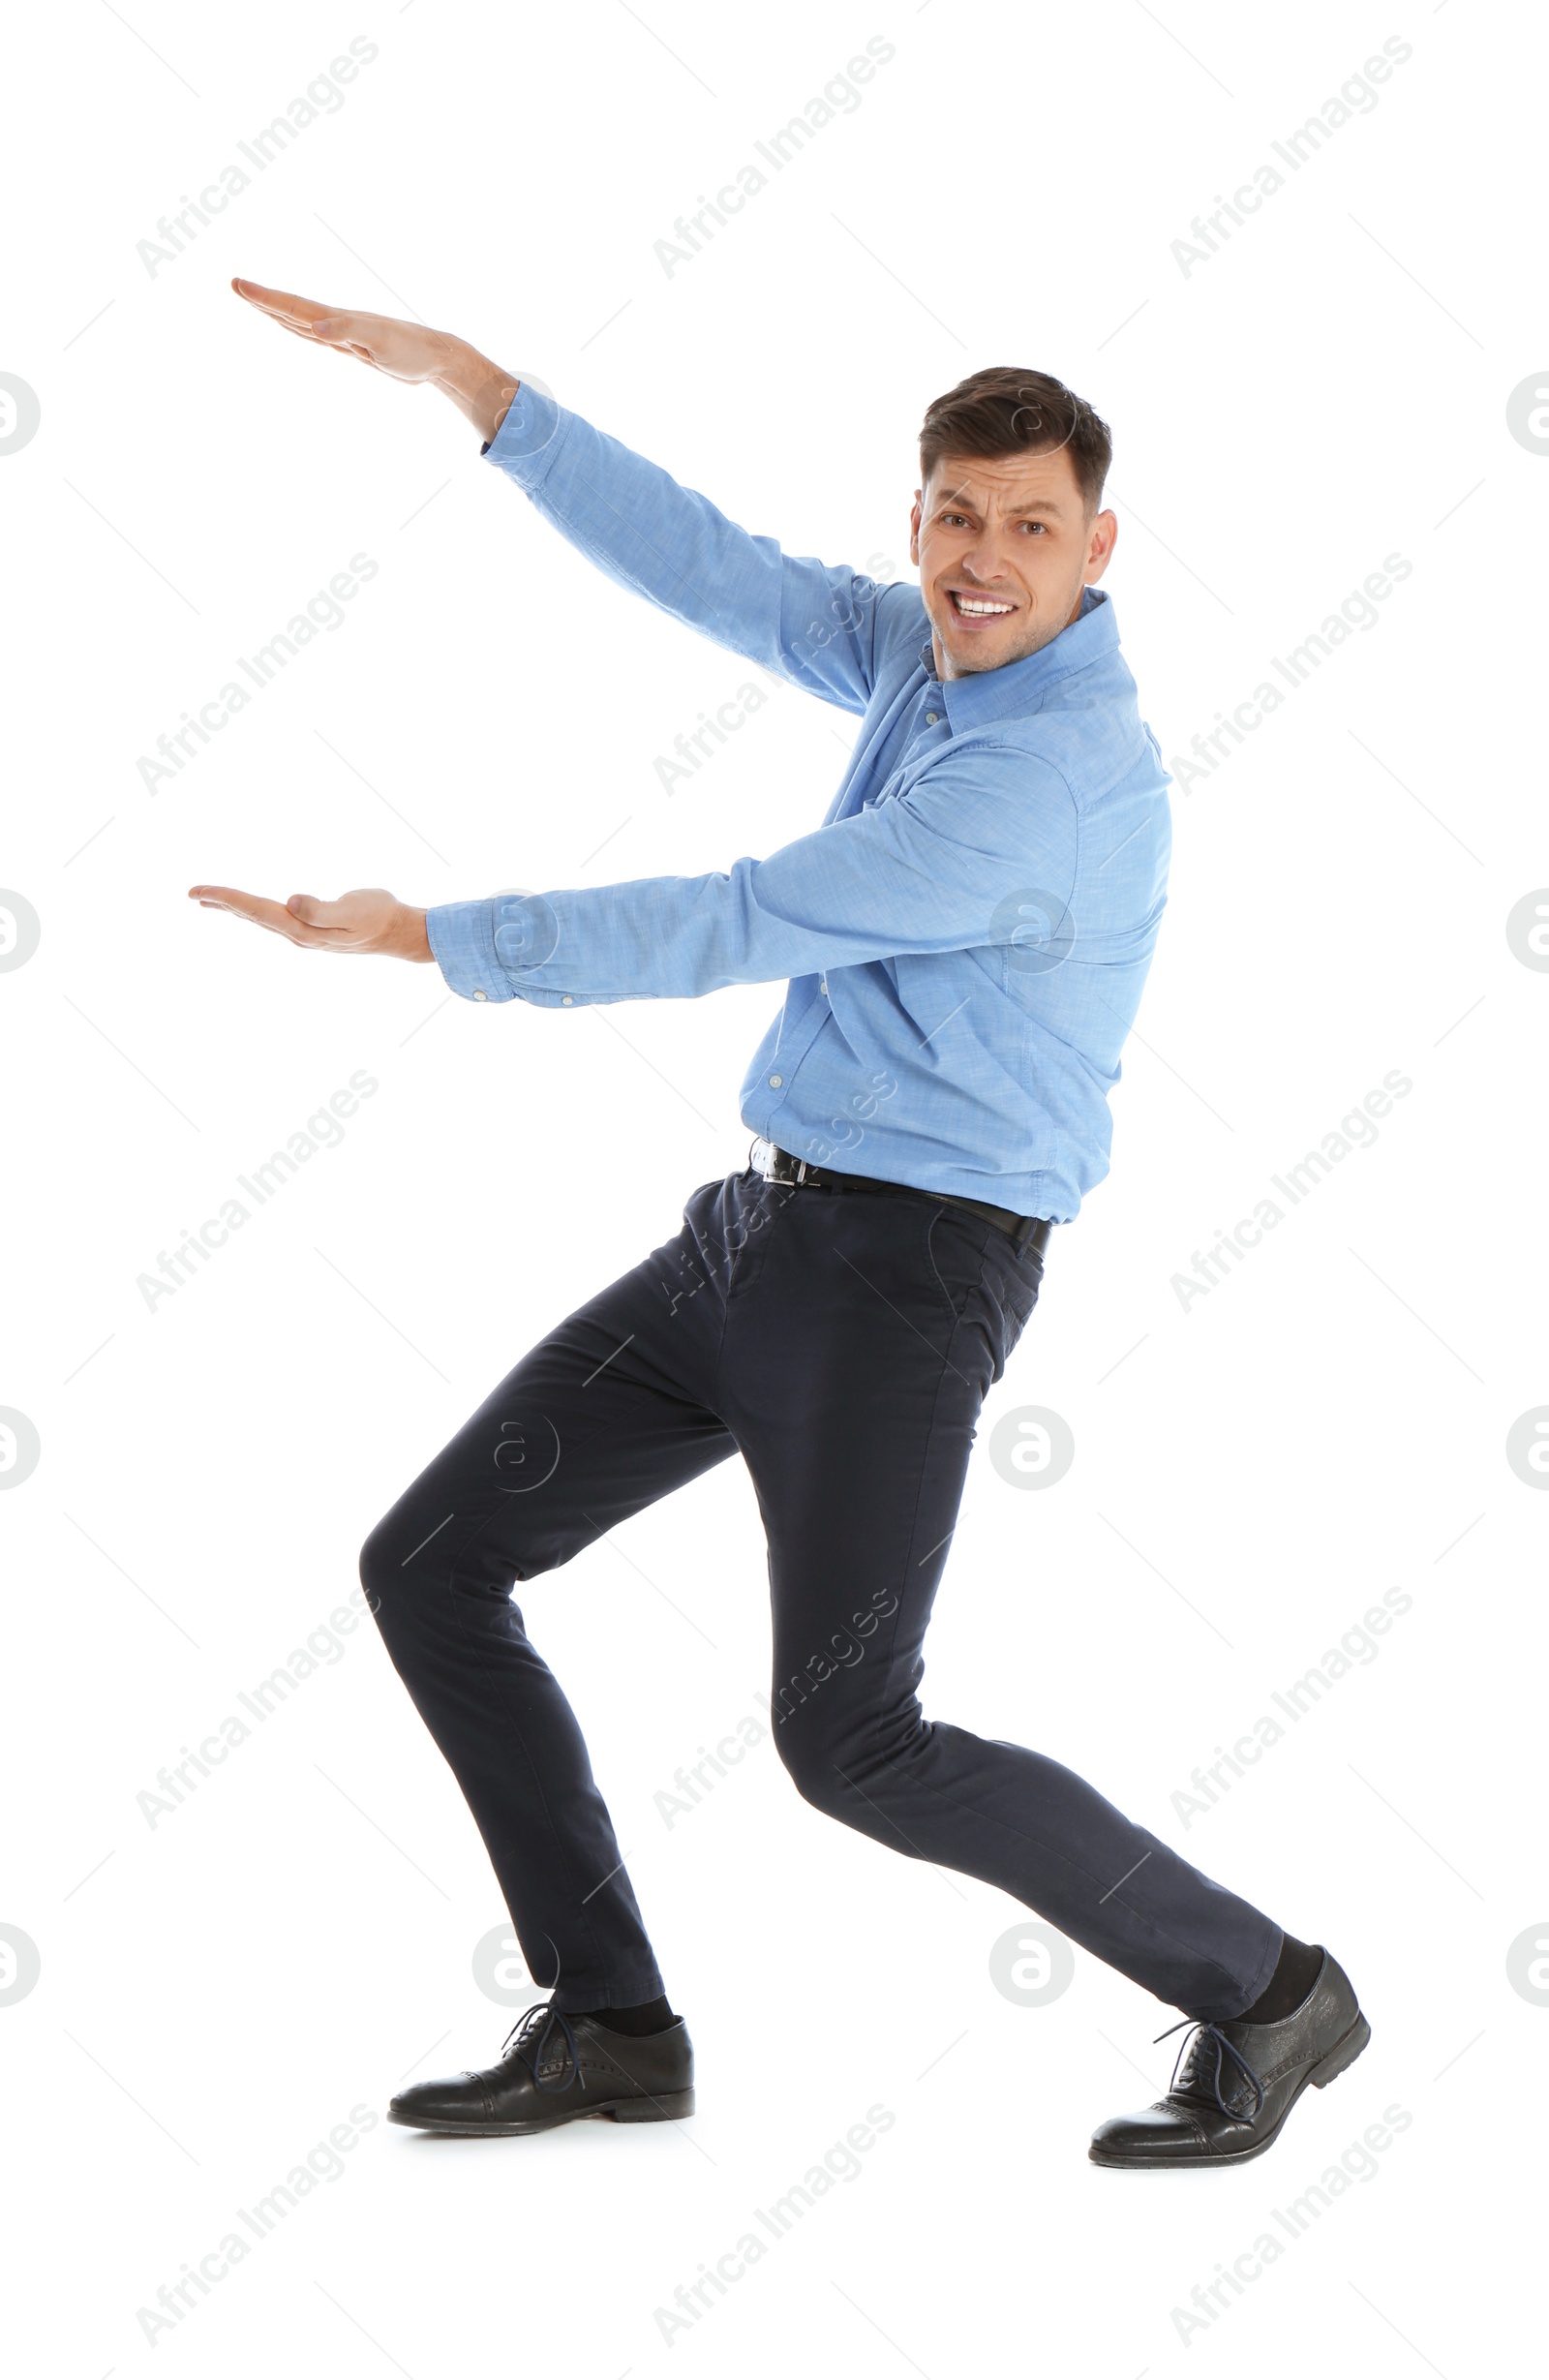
(1022, 1231)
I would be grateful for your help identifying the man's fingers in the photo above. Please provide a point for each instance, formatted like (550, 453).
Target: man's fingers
(324, 325)
(274, 915)
(241, 904)
(251, 905)
(283, 304)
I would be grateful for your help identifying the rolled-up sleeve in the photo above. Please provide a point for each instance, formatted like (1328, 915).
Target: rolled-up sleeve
(815, 623)
(974, 853)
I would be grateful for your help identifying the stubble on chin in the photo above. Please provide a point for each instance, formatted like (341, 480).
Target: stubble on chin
(1041, 630)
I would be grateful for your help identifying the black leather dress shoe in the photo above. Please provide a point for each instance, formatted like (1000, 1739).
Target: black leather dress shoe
(1236, 2083)
(555, 2069)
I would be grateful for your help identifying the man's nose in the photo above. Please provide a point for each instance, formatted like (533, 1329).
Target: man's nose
(986, 560)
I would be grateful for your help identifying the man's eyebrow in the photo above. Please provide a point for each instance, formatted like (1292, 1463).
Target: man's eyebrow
(1034, 504)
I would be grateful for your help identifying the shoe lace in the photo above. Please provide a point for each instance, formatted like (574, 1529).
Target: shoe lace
(1190, 2061)
(529, 2038)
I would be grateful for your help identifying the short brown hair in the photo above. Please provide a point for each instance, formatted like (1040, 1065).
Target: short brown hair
(1002, 411)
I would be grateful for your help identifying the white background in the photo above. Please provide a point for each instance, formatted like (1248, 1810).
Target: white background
(218, 1990)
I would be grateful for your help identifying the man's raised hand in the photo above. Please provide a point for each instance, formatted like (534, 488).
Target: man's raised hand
(369, 921)
(480, 390)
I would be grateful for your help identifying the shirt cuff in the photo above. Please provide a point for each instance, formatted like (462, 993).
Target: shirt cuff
(462, 942)
(483, 946)
(529, 439)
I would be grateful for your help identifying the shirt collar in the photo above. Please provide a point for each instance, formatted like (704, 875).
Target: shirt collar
(988, 695)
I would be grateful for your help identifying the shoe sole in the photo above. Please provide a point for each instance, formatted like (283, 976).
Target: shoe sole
(668, 2108)
(1327, 2070)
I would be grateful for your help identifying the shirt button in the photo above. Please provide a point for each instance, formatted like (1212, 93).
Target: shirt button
(774, 1081)
(823, 987)
(481, 996)
(931, 718)
(567, 1001)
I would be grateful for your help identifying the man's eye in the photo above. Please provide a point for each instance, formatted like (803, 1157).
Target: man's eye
(1041, 526)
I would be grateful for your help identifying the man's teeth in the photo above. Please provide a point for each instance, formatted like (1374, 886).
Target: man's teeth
(968, 604)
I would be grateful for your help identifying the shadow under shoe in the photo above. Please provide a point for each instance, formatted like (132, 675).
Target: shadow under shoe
(1236, 2083)
(554, 2069)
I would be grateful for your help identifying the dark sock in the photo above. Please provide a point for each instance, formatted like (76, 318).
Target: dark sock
(649, 2016)
(1295, 1974)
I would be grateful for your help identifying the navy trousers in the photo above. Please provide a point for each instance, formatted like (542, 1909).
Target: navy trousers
(842, 1343)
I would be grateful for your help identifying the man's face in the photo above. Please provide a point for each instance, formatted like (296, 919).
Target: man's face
(1005, 548)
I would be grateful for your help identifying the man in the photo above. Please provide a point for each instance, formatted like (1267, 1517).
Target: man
(964, 943)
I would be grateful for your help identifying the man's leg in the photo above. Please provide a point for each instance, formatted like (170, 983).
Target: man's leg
(602, 1417)
(857, 1357)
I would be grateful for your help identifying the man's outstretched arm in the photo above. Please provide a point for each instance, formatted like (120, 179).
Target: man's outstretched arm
(815, 624)
(946, 866)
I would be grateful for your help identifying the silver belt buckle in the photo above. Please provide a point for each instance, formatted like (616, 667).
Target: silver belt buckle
(763, 1154)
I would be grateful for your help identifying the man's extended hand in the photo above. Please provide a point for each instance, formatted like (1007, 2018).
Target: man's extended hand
(480, 390)
(364, 921)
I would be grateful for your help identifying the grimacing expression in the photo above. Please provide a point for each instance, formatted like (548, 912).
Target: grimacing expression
(1004, 546)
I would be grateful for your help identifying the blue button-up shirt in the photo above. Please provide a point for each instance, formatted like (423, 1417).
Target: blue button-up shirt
(966, 934)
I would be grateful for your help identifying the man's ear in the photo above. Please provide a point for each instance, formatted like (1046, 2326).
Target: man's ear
(914, 525)
(1100, 548)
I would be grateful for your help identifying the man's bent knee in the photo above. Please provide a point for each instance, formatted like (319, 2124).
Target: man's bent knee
(820, 1768)
(380, 1570)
